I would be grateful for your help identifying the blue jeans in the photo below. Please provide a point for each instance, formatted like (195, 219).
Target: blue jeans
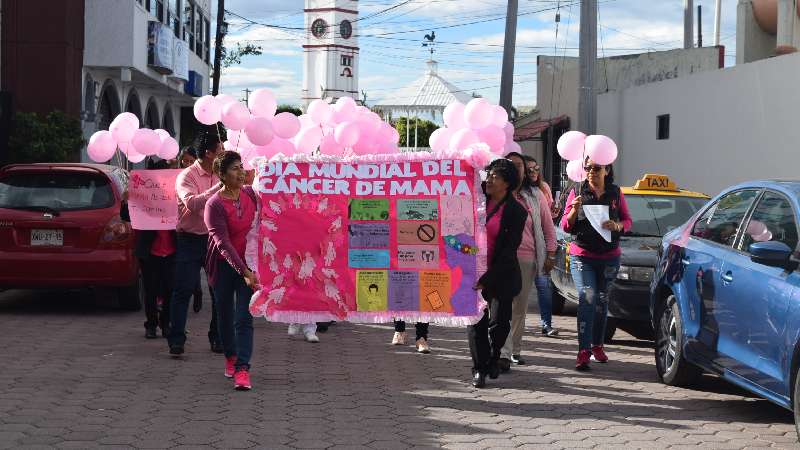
(591, 277)
(233, 308)
(545, 294)
(190, 256)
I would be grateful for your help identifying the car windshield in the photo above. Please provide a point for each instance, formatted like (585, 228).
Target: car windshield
(55, 191)
(656, 215)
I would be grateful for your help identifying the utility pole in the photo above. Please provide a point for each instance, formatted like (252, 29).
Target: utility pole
(218, 45)
(717, 19)
(247, 92)
(688, 23)
(507, 77)
(699, 26)
(587, 56)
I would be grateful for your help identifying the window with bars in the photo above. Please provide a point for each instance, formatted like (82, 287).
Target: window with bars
(207, 34)
(188, 23)
(198, 32)
(347, 60)
(174, 17)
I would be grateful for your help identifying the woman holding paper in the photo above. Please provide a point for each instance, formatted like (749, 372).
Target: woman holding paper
(596, 218)
(231, 215)
(505, 220)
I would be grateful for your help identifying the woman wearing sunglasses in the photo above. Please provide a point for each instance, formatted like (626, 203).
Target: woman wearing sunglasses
(594, 262)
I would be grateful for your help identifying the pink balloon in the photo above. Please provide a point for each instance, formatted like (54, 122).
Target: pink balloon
(500, 116)
(494, 137)
(127, 117)
(103, 141)
(305, 122)
(235, 115)
(320, 112)
(454, 116)
(571, 146)
(285, 125)
(308, 140)
(240, 140)
(122, 129)
(259, 131)
(228, 145)
(440, 139)
(462, 139)
(262, 103)
(329, 146)
(395, 137)
(207, 110)
(146, 141)
(247, 155)
(756, 228)
(344, 110)
(347, 134)
(265, 151)
(162, 134)
(224, 99)
(478, 113)
(601, 149)
(284, 146)
(575, 171)
(763, 237)
(134, 156)
(169, 148)
(508, 129)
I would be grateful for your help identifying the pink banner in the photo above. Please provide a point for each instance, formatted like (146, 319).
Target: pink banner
(151, 199)
(365, 240)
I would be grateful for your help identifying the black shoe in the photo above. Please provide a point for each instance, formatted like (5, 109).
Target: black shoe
(494, 369)
(175, 350)
(517, 359)
(549, 331)
(479, 379)
(150, 333)
(322, 327)
(504, 364)
(217, 347)
(165, 332)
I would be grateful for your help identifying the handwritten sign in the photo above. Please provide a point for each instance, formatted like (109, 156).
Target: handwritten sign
(152, 201)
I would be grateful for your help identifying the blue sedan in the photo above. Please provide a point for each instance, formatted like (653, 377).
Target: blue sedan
(726, 294)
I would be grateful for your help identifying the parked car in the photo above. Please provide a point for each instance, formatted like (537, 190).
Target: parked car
(726, 295)
(60, 227)
(656, 206)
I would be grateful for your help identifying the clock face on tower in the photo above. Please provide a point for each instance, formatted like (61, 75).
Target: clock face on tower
(319, 28)
(346, 29)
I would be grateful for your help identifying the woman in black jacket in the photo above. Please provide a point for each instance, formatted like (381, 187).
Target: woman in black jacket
(505, 221)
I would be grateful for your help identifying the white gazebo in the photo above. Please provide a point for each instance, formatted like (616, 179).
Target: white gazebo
(426, 98)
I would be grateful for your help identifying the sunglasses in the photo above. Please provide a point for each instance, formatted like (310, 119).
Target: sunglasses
(533, 170)
(595, 168)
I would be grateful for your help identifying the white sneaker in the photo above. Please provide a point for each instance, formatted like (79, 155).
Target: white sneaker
(422, 346)
(399, 338)
(312, 337)
(294, 329)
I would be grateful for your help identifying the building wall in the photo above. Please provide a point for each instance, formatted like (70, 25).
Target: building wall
(42, 54)
(726, 126)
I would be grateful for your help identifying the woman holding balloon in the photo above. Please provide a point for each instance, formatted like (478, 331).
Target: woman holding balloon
(594, 260)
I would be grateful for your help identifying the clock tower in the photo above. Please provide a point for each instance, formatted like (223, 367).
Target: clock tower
(330, 52)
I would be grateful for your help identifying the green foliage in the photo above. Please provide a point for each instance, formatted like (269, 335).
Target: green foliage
(424, 130)
(56, 138)
(289, 108)
(234, 56)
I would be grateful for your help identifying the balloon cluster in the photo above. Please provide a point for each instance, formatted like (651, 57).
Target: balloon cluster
(476, 122)
(575, 147)
(133, 142)
(339, 129)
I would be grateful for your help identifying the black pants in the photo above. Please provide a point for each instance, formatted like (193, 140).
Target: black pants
(158, 276)
(213, 327)
(422, 328)
(487, 337)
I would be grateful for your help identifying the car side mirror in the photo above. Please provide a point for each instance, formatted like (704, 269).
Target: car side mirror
(771, 253)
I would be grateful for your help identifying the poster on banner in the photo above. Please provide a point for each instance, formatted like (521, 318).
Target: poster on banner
(364, 241)
(152, 202)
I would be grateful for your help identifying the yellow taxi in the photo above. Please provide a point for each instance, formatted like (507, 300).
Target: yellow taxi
(657, 206)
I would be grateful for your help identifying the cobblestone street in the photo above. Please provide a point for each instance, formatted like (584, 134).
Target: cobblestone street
(78, 374)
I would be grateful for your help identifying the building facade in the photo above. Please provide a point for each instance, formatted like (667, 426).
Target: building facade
(330, 51)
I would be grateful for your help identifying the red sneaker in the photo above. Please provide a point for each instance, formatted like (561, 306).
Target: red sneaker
(230, 367)
(599, 354)
(582, 363)
(241, 380)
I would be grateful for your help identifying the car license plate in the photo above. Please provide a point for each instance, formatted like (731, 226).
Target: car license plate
(42, 238)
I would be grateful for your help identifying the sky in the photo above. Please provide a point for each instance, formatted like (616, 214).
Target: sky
(470, 35)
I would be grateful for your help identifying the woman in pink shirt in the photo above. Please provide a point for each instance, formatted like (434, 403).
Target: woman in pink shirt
(594, 261)
(231, 215)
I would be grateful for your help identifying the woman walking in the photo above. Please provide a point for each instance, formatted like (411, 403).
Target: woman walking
(544, 290)
(505, 220)
(536, 256)
(230, 216)
(594, 261)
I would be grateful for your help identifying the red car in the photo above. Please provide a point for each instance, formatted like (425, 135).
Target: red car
(60, 227)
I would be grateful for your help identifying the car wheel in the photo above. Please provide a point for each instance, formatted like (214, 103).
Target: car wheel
(672, 367)
(131, 298)
(796, 401)
(611, 329)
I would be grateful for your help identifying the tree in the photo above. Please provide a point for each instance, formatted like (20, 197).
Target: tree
(424, 130)
(234, 57)
(55, 138)
(289, 108)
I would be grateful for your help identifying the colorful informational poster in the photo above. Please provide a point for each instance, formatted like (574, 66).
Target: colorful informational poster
(363, 240)
(151, 199)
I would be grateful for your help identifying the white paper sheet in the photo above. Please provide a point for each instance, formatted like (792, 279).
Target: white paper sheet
(597, 215)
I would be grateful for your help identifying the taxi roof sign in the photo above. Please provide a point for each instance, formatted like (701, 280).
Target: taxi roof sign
(656, 182)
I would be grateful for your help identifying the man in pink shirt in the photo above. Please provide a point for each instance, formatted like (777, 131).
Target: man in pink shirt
(194, 186)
